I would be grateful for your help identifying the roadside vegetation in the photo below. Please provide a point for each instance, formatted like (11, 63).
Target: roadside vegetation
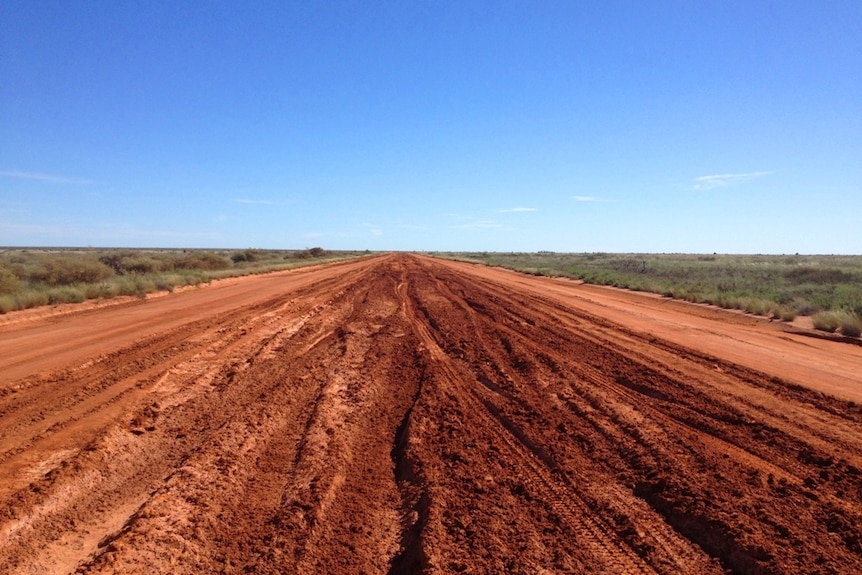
(828, 288)
(41, 276)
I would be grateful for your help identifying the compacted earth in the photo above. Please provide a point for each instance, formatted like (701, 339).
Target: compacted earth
(401, 414)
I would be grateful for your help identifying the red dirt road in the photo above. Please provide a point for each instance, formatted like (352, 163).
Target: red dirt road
(406, 415)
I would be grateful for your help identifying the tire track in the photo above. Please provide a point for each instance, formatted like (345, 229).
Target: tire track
(405, 415)
(659, 404)
(534, 465)
(202, 378)
(655, 538)
(603, 374)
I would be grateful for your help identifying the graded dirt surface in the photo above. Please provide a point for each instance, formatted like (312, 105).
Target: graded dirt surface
(400, 414)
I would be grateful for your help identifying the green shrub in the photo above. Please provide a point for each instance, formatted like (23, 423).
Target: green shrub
(135, 285)
(171, 281)
(725, 301)
(820, 275)
(828, 321)
(58, 270)
(31, 298)
(131, 262)
(757, 306)
(7, 304)
(851, 325)
(142, 266)
(847, 323)
(66, 294)
(100, 290)
(207, 261)
(246, 256)
(314, 252)
(9, 283)
(109, 290)
(804, 307)
(786, 314)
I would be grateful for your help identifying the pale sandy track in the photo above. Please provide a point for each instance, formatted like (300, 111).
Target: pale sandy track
(401, 414)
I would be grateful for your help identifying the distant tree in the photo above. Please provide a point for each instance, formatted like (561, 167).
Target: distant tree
(245, 256)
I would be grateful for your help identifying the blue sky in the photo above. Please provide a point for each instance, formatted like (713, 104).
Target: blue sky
(665, 126)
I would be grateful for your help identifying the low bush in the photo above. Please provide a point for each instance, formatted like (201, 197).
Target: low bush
(828, 321)
(9, 283)
(207, 261)
(846, 322)
(66, 294)
(7, 304)
(851, 325)
(131, 262)
(725, 301)
(757, 306)
(246, 256)
(820, 275)
(166, 283)
(315, 252)
(786, 313)
(104, 290)
(804, 307)
(58, 271)
(32, 298)
(134, 286)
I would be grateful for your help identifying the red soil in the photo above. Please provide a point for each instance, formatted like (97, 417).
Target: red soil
(401, 414)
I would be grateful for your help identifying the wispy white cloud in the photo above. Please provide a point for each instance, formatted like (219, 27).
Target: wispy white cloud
(53, 179)
(514, 210)
(723, 180)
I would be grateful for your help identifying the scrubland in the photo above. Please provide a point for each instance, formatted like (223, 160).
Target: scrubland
(32, 277)
(826, 287)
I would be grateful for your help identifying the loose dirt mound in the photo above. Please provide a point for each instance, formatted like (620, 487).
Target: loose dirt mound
(404, 415)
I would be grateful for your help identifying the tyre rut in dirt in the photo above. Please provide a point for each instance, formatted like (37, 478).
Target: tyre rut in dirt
(409, 415)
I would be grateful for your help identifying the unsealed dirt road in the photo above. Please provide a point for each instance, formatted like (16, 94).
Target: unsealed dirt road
(406, 415)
